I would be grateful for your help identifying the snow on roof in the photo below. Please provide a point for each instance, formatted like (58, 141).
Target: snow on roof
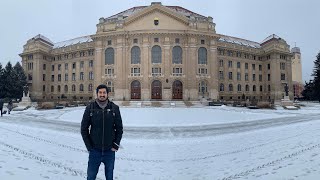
(272, 36)
(73, 41)
(185, 12)
(239, 41)
(41, 37)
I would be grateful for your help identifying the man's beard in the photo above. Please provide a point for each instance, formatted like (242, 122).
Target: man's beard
(102, 99)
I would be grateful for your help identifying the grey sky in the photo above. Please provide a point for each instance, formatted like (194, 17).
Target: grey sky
(59, 20)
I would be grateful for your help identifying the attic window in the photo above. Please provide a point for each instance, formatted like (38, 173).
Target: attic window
(202, 41)
(156, 21)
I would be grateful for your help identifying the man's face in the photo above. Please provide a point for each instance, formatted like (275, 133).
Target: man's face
(102, 94)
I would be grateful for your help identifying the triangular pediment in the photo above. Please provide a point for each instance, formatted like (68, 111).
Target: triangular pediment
(156, 9)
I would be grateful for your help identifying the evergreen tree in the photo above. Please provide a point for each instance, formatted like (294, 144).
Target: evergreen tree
(21, 80)
(316, 80)
(8, 81)
(307, 93)
(1, 81)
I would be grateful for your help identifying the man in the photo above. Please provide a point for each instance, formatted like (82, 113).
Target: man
(1, 106)
(103, 118)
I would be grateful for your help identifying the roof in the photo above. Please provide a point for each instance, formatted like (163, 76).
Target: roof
(82, 39)
(43, 38)
(272, 36)
(239, 41)
(185, 12)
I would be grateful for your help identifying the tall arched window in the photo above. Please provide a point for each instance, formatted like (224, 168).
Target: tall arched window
(90, 87)
(230, 87)
(156, 54)
(203, 87)
(81, 87)
(177, 55)
(109, 56)
(135, 55)
(221, 87)
(202, 55)
(247, 87)
(73, 87)
(239, 87)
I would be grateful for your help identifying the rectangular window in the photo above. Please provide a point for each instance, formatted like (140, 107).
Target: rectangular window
(283, 76)
(269, 77)
(246, 77)
(59, 77)
(177, 40)
(230, 64)
(156, 40)
(238, 76)
(221, 75)
(177, 72)
(253, 77)
(66, 66)
(81, 76)
(66, 77)
(109, 72)
(253, 66)
(91, 63)
(43, 77)
(81, 64)
(73, 76)
(260, 67)
(91, 75)
(230, 75)
(246, 66)
(260, 77)
(73, 65)
(202, 41)
(109, 42)
(202, 71)
(135, 41)
(156, 71)
(282, 66)
(44, 67)
(238, 65)
(59, 67)
(52, 68)
(221, 63)
(268, 66)
(135, 71)
(52, 78)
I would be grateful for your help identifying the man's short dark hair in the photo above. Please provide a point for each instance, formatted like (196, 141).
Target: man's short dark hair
(102, 86)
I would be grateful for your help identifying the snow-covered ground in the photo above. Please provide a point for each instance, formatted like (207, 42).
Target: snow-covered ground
(168, 143)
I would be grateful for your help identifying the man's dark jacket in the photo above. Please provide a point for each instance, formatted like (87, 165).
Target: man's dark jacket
(106, 126)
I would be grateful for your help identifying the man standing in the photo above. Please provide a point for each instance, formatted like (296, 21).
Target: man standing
(1, 106)
(103, 118)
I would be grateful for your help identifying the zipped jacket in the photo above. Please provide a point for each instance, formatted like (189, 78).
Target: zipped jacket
(101, 128)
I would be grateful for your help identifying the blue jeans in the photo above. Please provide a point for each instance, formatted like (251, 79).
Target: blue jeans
(95, 158)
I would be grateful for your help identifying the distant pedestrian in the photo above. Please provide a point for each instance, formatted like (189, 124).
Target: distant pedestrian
(10, 106)
(1, 105)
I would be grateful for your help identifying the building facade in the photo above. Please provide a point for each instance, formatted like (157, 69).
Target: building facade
(158, 52)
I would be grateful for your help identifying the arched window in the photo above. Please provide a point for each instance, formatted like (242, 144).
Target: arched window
(247, 87)
(109, 56)
(90, 87)
(73, 87)
(177, 55)
(239, 87)
(110, 86)
(221, 87)
(65, 88)
(230, 87)
(135, 55)
(81, 88)
(203, 87)
(156, 54)
(202, 55)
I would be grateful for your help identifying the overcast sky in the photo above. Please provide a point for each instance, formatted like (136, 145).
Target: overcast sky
(296, 21)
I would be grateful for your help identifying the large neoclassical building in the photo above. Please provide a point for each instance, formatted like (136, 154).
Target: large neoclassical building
(158, 52)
